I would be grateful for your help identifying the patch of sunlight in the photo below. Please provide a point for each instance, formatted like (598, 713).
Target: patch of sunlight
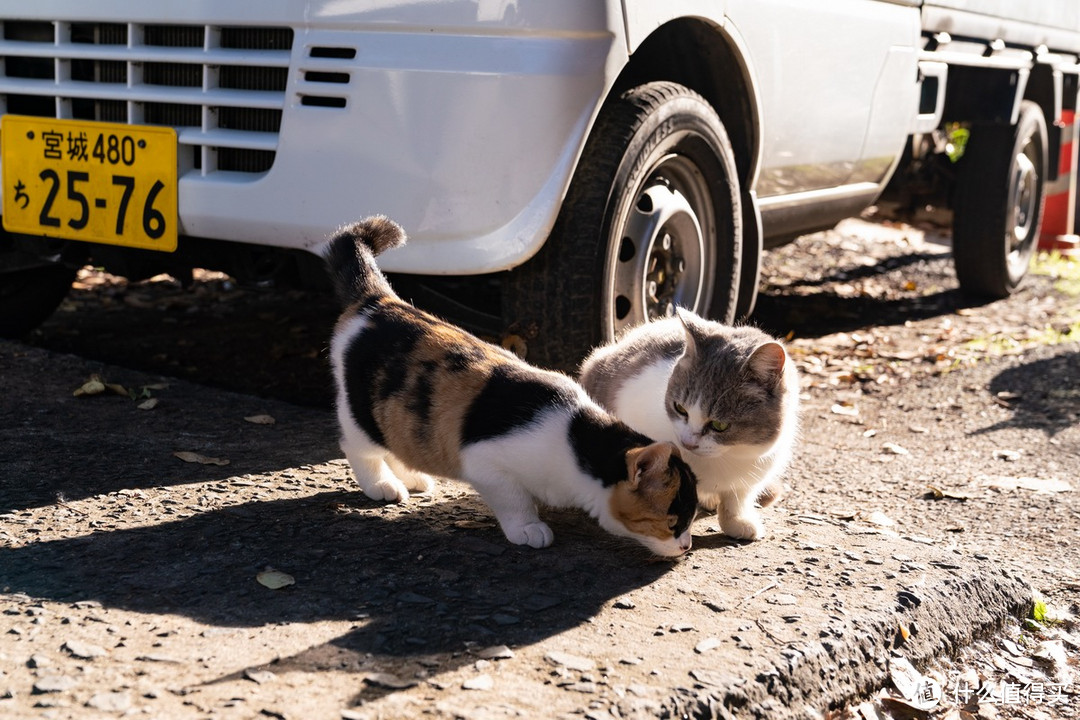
(1064, 270)
(1002, 344)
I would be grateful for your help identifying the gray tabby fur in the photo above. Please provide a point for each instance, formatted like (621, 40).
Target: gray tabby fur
(728, 396)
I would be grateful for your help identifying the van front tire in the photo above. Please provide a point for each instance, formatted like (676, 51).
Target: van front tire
(652, 221)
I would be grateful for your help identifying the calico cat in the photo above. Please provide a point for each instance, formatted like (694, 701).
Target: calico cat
(418, 397)
(729, 396)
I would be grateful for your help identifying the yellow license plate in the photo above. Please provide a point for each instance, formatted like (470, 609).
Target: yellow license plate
(91, 181)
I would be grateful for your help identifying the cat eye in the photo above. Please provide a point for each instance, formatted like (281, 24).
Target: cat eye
(680, 409)
(672, 521)
(717, 426)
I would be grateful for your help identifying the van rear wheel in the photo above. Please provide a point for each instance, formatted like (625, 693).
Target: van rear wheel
(999, 203)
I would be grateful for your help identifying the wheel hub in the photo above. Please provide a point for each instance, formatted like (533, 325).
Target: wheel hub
(1025, 181)
(659, 266)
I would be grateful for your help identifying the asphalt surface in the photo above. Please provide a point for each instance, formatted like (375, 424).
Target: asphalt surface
(925, 511)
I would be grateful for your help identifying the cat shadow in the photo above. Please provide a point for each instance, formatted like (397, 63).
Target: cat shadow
(1041, 394)
(429, 577)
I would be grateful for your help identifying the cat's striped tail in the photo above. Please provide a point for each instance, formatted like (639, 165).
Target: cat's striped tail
(350, 258)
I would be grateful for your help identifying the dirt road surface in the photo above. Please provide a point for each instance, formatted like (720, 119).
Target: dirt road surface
(185, 542)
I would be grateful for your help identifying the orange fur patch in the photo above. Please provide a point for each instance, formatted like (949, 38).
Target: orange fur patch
(642, 506)
(454, 366)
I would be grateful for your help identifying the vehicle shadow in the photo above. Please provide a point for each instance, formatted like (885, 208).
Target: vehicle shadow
(813, 308)
(414, 582)
(55, 446)
(1042, 394)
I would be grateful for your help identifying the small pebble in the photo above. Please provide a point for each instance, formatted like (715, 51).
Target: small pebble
(571, 662)
(480, 682)
(115, 702)
(707, 644)
(53, 684)
(38, 660)
(496, 652)
(83, 651)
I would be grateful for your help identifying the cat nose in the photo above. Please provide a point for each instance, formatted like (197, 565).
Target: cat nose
(685, 541)
(691, 446)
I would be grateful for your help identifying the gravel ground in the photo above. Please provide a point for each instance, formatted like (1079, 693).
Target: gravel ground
(146, 531)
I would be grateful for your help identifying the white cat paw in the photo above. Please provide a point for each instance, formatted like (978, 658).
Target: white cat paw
(743, 527)
(419, 482)
(413, 480)
(393, 491)
(535, 534)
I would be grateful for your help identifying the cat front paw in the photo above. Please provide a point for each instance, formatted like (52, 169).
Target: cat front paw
(743, 527)
(535, 534)
(418, 482)
(387, 490)
(413, 480)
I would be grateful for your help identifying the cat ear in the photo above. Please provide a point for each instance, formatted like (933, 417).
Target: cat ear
(767, 363)
(648, 461)
(686, 320)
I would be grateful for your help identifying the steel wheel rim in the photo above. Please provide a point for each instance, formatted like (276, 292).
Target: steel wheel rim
(1025, 194)
(660, 255)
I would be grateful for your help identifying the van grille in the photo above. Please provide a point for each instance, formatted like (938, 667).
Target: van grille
(222, 88)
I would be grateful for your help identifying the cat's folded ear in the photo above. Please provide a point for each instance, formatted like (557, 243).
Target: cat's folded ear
(767, 363)
(647, 462)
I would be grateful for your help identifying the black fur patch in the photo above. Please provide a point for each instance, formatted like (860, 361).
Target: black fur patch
(376, 365)
(684, 506)
(392, 339)
(420, 401)
(350, 258)
(463, 357)
(362, 362)
(510, 399)
(601, 444)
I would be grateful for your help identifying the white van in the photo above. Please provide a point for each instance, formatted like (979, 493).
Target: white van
(604, 160)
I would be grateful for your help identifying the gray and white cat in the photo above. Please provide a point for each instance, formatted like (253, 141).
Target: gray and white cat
(418, 397)
(727, 395)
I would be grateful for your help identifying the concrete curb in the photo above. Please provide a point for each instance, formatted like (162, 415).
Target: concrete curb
(851, 659)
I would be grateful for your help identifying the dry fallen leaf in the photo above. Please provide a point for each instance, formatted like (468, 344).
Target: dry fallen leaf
(193, 457)
(148, 404)
(845, 410)
(947, 494)
(918, 691)
(878, 518)
(260, 419)
(118, 389)
(93, 386)
(275, 579)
